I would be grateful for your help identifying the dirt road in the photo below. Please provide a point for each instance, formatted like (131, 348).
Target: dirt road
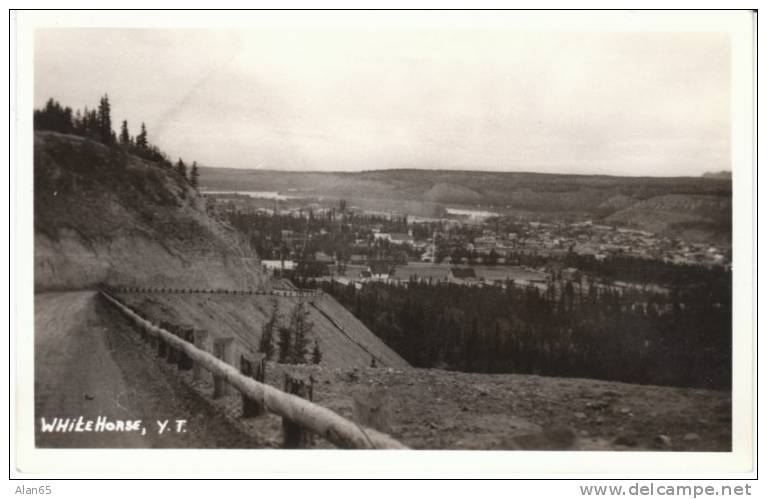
(90, 364)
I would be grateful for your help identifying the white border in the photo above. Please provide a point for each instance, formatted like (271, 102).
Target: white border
(190, 463)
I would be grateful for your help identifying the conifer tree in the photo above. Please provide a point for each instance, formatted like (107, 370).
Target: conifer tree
(106, 134)
(54, 117)
(125, 139)
(301, 328)
(266, 345)
(141, 139)
(316, 353)
(78, 125)
(181, 167)
(90, 124)
(284, 345)
(194, 176)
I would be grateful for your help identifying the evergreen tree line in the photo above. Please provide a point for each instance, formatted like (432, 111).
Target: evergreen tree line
(96, 124)
(644, 270)
(626, 268)
(289, 344)
(680, 339)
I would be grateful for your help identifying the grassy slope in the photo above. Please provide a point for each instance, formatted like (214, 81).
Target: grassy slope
(102, 215)
(242, 317)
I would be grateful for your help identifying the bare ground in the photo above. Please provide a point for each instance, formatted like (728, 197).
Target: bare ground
(435, 409)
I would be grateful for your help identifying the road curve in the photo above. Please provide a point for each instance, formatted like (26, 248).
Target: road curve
(89, 363)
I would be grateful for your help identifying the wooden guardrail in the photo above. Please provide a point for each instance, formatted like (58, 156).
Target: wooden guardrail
(317, 419)
(300, 293)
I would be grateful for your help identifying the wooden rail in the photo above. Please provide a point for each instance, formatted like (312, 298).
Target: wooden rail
(300, 293)
(317, 419)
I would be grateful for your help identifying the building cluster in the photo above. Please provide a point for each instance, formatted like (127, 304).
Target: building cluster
(601, 241)
(453, 244)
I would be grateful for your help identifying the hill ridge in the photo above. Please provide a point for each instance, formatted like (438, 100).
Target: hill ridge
(103, 215)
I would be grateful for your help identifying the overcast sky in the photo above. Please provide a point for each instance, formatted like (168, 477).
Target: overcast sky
(616, 103)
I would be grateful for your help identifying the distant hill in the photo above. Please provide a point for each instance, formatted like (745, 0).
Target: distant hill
(692, 217)
(103, 215)
(724, 174)
(451, 193)
(617, 202)
(524, 195)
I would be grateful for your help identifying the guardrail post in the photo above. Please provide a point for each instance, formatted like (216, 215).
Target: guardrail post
(252, 366)
(144, 334)
(295, 436)
(201, 341)
(184, 361)
(222, 349)
(162, 345)
(172, 355)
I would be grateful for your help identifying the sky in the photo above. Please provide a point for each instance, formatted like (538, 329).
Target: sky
(613, 103)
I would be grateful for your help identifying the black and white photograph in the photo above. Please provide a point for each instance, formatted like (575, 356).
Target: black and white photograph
(445, 231)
